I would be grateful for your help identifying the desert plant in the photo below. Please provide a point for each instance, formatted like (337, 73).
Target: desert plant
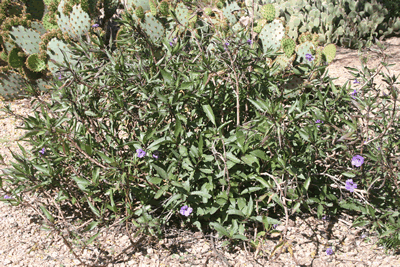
(215, 140)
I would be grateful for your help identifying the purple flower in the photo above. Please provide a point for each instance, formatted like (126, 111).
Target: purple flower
(309, 57)
(185, 211)
(354, 93)
(140, 153)
(42, 152)
(274, 226)
(363, 236)
(7, 197)
(350, 185)
(355, 81)
(250, 41)
(59, 76)
(329, 251)
(156, 154)
(171, 43)
(357, 160)
(319, 121)
(226, 44)
(95, 25)
(325, 218)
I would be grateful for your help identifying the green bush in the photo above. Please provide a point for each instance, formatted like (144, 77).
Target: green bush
(212, 141)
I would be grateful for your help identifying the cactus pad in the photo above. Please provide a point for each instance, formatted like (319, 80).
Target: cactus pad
(227, 12)
(330, 52)
(288, 46)
(11, 85)
(79, 22)
(268, 12)
(153, 7)
(272, 34)
(54, 51)
(164, 8)
(303, 49)
(34, 63)
(27, 39)
(153, 27)
(139, 12)
(15, 60)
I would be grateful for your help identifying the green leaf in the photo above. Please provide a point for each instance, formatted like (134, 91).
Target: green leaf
(320, 210)
(105, 158)
(81, 182)
(178, 127)
(160, 171)
(47, 214)
(154, 180)
(262, 181)
(93, 208)
(220, 229)
(235, 212)
(232, 157)
(95, 175)
(41, 168)
(167, 76)
(92, 238)
(304, 134)
(349, 174)
(200, 146)
(249, 209)
(90, 113)
(157, 142)
(307, 183)
(250, 159)
(91, 226)
(242, 237)
(296, 207)
(209, 112)
(201, 193)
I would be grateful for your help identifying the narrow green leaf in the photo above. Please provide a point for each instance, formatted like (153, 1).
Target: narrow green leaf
(41, 168)
(154, 180)
(167, 76)
(201, 193)
(160, 171)
(220, 229)
(93, 208)
(296, 207)
(210, 114)
(242, 237)
(92, 238)
(250, 159)
(91, 226)
(47, 214)
(307, 183)
(349, 174)
(90, 113)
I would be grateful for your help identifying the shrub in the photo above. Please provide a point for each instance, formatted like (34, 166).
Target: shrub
(209, 140)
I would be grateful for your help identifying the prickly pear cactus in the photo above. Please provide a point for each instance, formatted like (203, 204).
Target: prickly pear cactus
(27, 39)
(154, 29)
(54, 49)
(288, 46)
(34, 63)
(302, 50)
(227, 11)
(16, 58)
(329, 52)
(12, 85)
(268, 12)
(272, 34)
(76, 24)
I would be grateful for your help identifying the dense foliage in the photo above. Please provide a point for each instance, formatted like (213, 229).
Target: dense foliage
(200, 130)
